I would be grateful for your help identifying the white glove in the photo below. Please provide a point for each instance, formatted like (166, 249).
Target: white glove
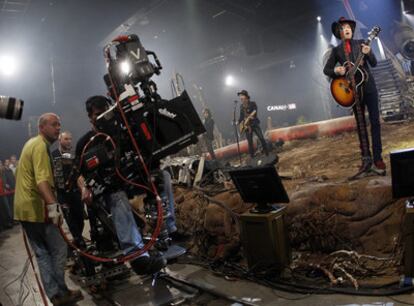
(54, 214)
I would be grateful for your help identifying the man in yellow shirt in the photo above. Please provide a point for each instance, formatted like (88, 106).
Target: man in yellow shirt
(36, 207)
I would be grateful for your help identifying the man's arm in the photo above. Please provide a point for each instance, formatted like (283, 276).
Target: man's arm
(46, 193)
(86, 194)
(329, 68)
(372, 60)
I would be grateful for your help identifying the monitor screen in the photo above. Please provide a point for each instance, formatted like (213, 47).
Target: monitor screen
(259, 185)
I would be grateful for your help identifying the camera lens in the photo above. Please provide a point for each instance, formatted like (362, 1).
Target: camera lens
(11, 108)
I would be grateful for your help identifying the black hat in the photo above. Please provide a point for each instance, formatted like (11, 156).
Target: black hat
(337, 24)
(243, 93)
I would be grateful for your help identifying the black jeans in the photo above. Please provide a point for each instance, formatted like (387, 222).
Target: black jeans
(370, 101)
(249, 136)
(209, 145)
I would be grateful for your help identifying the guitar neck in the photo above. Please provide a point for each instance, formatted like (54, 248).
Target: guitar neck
(360, 58)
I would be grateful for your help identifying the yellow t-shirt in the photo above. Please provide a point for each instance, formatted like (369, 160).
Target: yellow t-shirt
(34, 167)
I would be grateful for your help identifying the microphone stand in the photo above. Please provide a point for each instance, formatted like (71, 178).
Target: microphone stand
(236, 133)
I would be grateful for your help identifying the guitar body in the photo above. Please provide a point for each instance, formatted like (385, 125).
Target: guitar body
(245, 124)
(341, 87)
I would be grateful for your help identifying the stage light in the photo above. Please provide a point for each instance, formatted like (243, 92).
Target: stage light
(125, 67)
(381, 49)
(229, 81)
(319, 18)
(8, 65)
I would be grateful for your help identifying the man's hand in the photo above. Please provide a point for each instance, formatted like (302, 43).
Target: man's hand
(365, 49)
(340, 70)
(86, 195)
(54, 214)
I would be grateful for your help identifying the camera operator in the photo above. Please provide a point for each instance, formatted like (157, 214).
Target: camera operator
(73, 207)
(117, 202)
(36, 207)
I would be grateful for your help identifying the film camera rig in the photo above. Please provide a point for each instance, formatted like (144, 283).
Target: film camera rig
(138, 129)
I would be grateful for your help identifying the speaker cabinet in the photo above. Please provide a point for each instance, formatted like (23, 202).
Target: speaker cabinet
(265, 240)
(408, 240)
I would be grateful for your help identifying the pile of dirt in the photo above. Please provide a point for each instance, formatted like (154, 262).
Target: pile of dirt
(327, 213)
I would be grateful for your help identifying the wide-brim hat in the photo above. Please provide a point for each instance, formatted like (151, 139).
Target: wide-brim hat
(336, 30)
(243, 93)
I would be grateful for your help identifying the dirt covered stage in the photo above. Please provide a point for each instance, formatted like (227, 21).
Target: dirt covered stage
(350, 232)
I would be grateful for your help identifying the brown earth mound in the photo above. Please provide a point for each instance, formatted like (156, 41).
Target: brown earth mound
(327, 213)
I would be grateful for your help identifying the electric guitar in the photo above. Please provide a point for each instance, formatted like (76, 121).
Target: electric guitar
(342, 88)
(245, 124)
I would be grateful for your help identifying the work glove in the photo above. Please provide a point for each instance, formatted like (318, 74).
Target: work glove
(54, 213)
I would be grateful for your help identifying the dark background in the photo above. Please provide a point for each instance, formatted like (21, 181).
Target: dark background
(273, 49)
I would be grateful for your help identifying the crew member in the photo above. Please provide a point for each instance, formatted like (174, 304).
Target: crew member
(251, 121)
(63, 160)
(209, 136)
(335, 67)
(116, 199)
(36, 207)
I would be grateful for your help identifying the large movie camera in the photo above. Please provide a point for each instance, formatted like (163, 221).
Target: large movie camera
(139, 125)
(136, 131)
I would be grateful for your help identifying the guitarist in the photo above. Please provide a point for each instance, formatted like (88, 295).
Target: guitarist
(369, 96)
(253, 125)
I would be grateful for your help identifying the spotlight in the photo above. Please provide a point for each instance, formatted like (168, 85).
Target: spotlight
(404, 39)
(229, 81)
(319, 18)
(8, 65)
(125, 67)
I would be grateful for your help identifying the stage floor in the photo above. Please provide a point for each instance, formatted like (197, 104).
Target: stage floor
(136, 291)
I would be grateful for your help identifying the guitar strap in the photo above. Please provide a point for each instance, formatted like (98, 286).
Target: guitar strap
(359, 112)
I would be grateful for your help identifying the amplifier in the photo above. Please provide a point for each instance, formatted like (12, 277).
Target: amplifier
(265, 240)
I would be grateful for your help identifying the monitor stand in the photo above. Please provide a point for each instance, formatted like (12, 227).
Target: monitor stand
(262, 208)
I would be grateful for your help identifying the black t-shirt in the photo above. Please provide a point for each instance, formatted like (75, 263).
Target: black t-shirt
(82, 143)
(246, 111)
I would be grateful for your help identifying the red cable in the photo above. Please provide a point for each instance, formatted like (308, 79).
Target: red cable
(157, 229)
(39, 284)
(7, 193)
(88, 255)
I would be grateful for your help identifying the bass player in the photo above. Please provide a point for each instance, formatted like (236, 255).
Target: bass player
(250, 123)
(349, 48)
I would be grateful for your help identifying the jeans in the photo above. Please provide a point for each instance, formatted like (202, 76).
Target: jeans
(50, 250)
(129, 237)
(255, 128)
(169, 195)
(370, 101)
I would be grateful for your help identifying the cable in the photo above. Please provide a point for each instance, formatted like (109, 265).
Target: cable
(153, 189)
(168, 278)
(399, 301)
(283, 285)
(20, 278)
(41, 290)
